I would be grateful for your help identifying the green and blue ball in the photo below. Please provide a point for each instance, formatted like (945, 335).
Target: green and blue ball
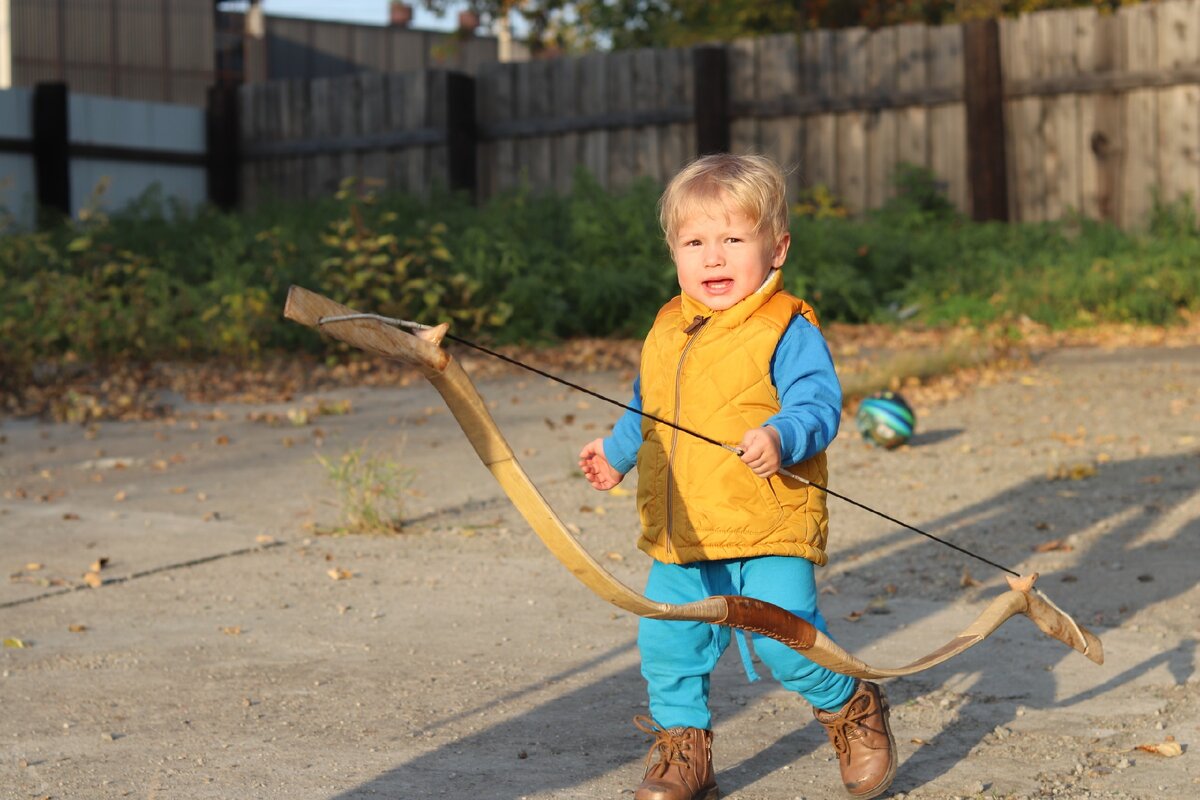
(885, 420)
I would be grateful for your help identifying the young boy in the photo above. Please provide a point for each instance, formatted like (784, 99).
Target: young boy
(738, 359)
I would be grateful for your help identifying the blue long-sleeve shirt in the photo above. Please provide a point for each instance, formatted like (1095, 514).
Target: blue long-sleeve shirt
(810, 399)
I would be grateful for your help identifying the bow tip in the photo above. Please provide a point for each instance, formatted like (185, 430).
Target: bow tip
(1023, 583)
(435, 334)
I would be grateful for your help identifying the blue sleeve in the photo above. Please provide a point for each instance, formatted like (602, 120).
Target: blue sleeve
(810, 396)
(621, 448)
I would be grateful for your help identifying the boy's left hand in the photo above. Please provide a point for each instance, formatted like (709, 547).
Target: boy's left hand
(761, 451)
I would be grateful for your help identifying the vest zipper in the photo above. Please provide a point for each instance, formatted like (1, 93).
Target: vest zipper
(692, 332)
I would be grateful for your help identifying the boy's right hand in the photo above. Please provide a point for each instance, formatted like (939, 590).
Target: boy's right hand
(599, 473)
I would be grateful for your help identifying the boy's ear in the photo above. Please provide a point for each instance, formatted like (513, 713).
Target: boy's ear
(781, 250)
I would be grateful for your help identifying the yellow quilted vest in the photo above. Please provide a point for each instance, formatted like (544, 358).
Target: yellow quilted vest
(711, 372)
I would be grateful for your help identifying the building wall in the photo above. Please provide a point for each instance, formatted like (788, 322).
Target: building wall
(173, 50)
(160, 50)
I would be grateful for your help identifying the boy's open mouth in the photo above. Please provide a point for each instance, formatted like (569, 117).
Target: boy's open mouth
(718, 285)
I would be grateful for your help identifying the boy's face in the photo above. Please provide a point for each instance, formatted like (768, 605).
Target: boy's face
(720, 259)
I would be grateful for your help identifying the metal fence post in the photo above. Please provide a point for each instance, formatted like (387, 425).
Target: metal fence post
(461, 135)
(223, 146)
(983, 94)
(51, 151)
(710, 99)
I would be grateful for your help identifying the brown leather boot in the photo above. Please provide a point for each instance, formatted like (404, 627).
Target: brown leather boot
(863, 740)
(683, 770)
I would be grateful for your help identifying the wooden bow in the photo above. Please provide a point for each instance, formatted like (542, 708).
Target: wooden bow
(423, 350)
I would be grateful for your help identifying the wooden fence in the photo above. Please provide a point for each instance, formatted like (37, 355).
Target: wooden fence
(1024, 119)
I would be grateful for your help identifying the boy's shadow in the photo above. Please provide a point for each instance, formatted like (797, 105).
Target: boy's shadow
(1133, 493)
(1138, 573)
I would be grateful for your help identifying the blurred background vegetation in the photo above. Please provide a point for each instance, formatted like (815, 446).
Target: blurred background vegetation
(156, 283)
(573, 26)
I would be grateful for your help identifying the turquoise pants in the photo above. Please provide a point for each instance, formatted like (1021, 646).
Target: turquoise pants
(678, 657)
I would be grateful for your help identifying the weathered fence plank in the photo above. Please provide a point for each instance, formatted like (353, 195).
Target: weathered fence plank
(1179, 106)
(743, 93)
(779, 79)
(1142, 176)
(533, 102)
(820, 130)
(594, 102)
(621, 164)
(947, 121)
(1023, 52)
(372, 110)
(677, 140)
(853, 74)
(565, 105)
(1103, 115)
(911, 69)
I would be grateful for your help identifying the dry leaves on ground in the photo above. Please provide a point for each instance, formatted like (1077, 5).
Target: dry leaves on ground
(931, 365)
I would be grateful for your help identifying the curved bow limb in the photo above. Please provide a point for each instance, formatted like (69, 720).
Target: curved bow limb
(470, 410)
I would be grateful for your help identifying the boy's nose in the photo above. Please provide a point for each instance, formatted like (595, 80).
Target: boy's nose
(714, 256)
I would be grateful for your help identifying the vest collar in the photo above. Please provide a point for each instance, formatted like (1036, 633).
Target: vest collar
(691, 308)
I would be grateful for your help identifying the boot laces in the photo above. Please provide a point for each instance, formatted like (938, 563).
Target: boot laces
(671, 745)
(849, 723)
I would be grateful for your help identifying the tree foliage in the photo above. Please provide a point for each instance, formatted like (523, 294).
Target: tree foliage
(575, 25)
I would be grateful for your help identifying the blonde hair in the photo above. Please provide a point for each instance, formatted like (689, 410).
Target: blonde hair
(751, 184)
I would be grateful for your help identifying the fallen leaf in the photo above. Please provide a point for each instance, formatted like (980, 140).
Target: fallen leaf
(339, 574)
(222, 439)
(1168, 748)
(1053, 545)
(613, 555)
(77, 628)
(263, 538)
(14, 643)
(232, 630)
(34, 566)
(967, 580)
(99, 564)
(1072, 472)
(854, 616)
(179, 490)
(618, 491)
(71, 516)
(120, 496)
(919, 742)
(93, 580)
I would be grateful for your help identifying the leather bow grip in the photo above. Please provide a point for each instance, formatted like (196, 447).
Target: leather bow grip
(770, 620)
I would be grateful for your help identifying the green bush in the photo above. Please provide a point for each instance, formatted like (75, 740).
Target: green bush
(159, 282)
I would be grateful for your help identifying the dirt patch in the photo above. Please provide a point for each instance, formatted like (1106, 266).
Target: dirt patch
(229, 651)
